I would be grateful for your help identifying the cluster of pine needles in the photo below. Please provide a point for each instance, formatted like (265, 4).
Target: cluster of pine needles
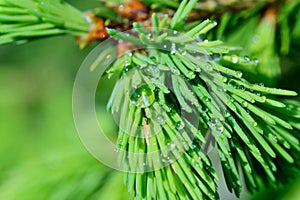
(177, 95)
(183, 74)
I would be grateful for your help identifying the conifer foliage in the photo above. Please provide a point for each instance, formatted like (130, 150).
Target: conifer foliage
(177, 94)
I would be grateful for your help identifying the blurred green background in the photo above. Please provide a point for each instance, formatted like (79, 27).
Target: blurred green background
(41, 154)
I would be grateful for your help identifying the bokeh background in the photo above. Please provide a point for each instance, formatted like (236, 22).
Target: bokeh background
(41, 154)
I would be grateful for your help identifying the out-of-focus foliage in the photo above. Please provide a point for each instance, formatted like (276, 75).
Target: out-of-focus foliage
(267, 32)
(41, 154)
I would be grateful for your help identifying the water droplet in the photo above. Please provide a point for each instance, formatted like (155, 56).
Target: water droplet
(274, 138)
(172, 146)
(175, 32)
(213, 121)
(256, 61)
(193, 161)
(224, 79)
(256, 150)
(247, 59)
(179, 125)
(185, 146)
(209, 66)
(183, 53)
(245, 103)
(232, 83)
(220, 128)
(116, 150)
(240, 74)
(160, 120)
(191, 74)
(205, 98)
(241, 87)
(175, 71)
(205, 109)
(216, 57)
(264, 117)
(173, 48)
(173, 45)
(220, 89)
(108, 56)
(198, 38)
(227, 113)
(254, 124)
(153, 58)
(143, 96)
(264, 98)
(286, 145)
(235, 59)
(205, 41)
(151, 71)
(129, 53)
(127, 68)
(262, 84)
(165, 46)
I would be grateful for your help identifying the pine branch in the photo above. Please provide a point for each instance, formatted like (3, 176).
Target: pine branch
(183, 74)
(28, 19)
(207, 7)
(255, 25)
(254, 129)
